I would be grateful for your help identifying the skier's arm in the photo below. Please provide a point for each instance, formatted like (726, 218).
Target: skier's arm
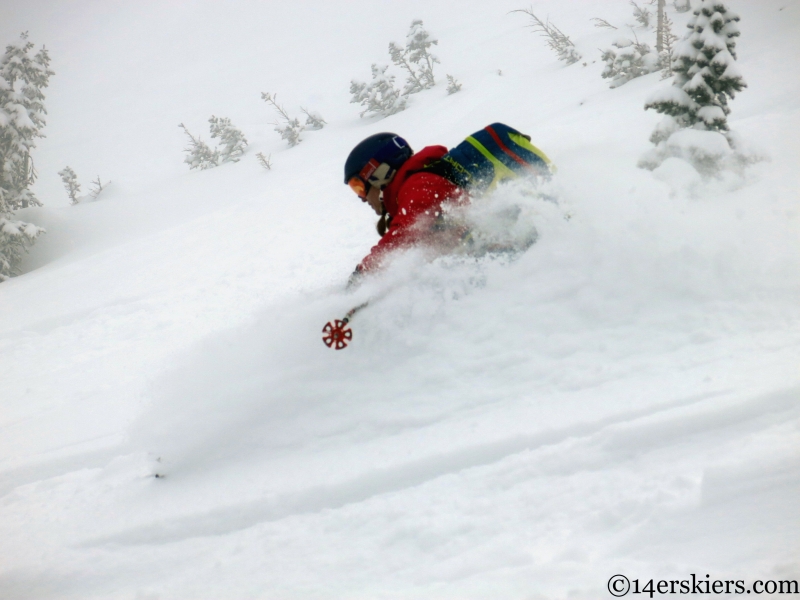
(419, 203)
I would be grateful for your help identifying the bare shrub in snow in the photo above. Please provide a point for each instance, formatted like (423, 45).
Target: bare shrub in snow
(97, 187)
(379, 97)
(704, 62)
(200, 155)
(23, 76)
(70, 181)
(557, 40)
(602, 23)
(232, 139)
(628, 59)
(415, 58)
(264, 161)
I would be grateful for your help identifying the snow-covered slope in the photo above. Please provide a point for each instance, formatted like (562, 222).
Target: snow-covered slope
(622, 398)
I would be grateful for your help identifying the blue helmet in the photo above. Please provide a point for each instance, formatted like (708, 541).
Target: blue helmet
(367, 157)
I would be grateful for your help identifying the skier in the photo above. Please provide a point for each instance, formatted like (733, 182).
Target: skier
(385, 173)
(407, 189)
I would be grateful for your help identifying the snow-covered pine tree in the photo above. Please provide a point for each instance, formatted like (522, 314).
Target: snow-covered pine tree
(642, 15)
(314, 120)
(232, 139)
(290, 128)
(399, 57)
(706, 79)
(200, 155)
(415, 58)
(418, 45)
(23, 76)
(70, 181)
(627, 60)
(704, 62)
(682, 6)
(15, 237)
(380, 97)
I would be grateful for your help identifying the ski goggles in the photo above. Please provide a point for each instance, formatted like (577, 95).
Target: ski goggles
(358, 183)
(359, 187)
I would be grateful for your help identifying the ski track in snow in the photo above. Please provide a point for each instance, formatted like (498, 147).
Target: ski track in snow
(623, 396)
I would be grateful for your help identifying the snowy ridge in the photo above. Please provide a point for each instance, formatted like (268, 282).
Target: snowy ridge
(621, 397)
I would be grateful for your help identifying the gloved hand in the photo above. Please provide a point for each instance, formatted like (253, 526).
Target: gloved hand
(355, 279)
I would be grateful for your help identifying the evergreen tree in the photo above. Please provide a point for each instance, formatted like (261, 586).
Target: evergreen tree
(314, 120)
(15, 237)
(232, 139)
(418, 44)
(453, 85)
(71, 184)
(379, 97)
(628, 60)
(416, 58)
(706, 72)
(642, 15)
(23, 76)
(200, 155)
(682, 6)
(289, 128)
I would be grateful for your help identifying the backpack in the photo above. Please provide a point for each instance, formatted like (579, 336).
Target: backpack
(489, 156)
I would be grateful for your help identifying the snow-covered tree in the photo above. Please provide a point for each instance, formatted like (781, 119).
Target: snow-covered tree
(707, 77)
(314, 120)
(232, 139)
(23, 77)
(628, 59)
(557, 40)
(289, 128)
(418, 45)
(415, 58)
(15, 237)
(453, 85)
(200, 155)
(379, 97)
(70, 181)
(642, 15)
(682, 6)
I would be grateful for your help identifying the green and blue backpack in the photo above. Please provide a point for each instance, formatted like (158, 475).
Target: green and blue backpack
(489, 156)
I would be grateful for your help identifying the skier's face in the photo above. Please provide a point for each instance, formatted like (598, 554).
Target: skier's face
(373, 198)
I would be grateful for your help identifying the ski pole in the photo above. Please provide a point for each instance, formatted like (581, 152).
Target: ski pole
(336, 334)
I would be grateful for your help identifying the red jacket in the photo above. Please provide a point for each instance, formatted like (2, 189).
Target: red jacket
(413, 200)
